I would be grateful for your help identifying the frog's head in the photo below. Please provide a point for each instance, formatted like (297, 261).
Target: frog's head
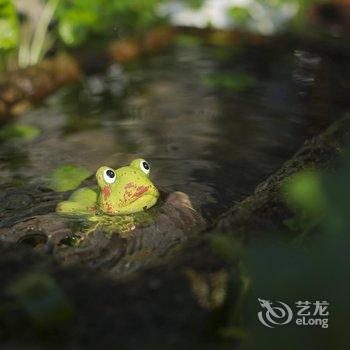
(126, 190)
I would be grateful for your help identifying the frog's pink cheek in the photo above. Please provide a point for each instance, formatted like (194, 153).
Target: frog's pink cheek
(106, 192)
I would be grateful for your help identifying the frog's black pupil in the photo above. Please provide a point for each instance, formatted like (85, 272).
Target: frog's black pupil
(110, 173)
(145, 165)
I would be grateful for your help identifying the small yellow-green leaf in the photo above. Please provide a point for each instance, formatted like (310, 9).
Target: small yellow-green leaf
(66, 178)
(9, 29)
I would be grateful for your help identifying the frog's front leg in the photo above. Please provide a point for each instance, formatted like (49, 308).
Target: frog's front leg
(81, 203)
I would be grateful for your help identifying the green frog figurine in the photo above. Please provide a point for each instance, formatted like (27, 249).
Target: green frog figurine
(122, 191)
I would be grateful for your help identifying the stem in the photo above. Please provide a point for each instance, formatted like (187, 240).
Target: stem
(41, 31)
(24, 51)
(2, 60)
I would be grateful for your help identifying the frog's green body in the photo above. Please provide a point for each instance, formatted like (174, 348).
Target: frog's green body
(123, 191)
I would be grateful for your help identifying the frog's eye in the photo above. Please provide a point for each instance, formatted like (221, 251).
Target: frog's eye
(145, 167)
(109, 176)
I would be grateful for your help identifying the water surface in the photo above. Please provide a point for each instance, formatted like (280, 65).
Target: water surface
(213, 122)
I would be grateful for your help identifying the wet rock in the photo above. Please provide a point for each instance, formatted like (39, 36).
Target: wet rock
(118, 253)
(16, 200)
(157, 310)
(18, 205)
(265, 210)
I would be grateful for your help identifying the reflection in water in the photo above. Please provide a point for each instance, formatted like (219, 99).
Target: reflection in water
(210, 289)
(207, 140)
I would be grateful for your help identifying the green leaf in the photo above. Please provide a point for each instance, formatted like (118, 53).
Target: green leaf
(41, 298)
(195, 4)
(9, 29)
(66, 178)
(19, 131)
(239, 15)
(79, 19)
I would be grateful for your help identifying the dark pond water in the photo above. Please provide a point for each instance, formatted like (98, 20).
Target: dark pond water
(213, 121)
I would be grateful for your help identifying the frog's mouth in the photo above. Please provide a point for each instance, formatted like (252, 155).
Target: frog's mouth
(143, 198)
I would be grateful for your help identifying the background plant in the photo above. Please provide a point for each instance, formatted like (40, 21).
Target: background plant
(280, 267)
(9, 29)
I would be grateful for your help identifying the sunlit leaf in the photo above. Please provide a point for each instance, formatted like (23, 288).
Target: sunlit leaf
(80, 19)
(240, 15)
(66, 178)
(9, 30)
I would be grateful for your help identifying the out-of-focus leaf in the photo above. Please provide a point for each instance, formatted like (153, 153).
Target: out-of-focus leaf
(19, 131)
(41, 298)
(240, 15)
(81, 18)
(9, 30)
(303, 193)
(235, 83)
(76, 19)
(66, 178)
(195, 4)
(227, 247)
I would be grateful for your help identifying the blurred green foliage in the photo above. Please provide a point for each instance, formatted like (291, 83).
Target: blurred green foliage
(195, 4)
(271, 16)
(289, 270)
(75, 22)
(8, 25)
(240, 15)
(234, 83)
(79, 19)
(39, 296)
(304, 194)
(19, 131)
